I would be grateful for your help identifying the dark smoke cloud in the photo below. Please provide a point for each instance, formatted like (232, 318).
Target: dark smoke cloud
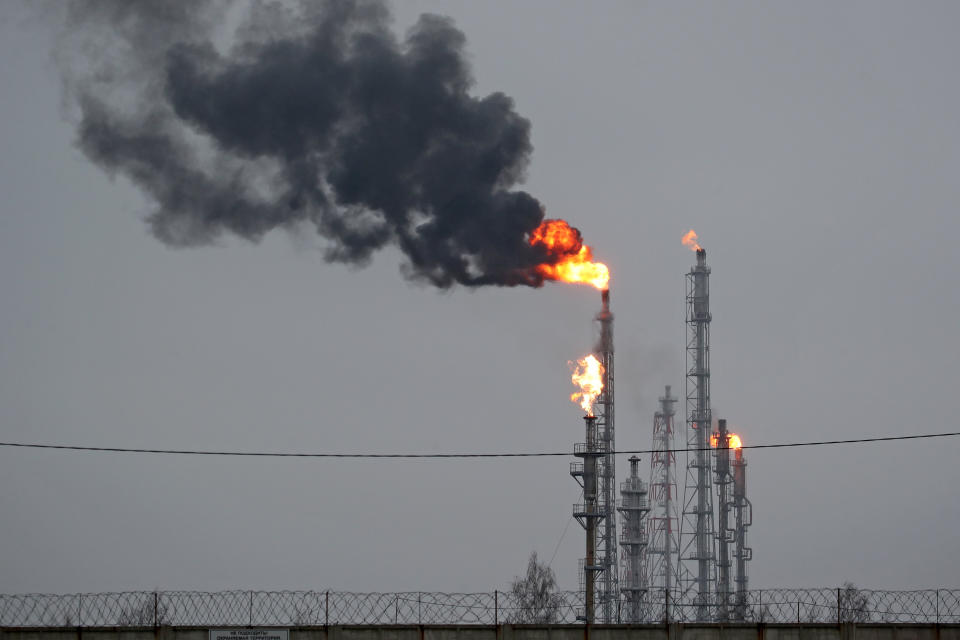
(313, 114)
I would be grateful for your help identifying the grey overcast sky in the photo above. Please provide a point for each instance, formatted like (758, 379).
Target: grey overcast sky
(815, 148)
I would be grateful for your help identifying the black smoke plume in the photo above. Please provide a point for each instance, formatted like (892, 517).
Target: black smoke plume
(314, 114)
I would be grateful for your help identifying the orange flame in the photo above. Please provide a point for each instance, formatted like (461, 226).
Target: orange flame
(575, 259)
(588, 376)
(735, 442)
(689, 239)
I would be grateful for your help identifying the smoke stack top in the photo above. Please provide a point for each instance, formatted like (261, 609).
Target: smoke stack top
(315, 116)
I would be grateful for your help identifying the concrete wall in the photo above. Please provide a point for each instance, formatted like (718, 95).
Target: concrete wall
(530, 632)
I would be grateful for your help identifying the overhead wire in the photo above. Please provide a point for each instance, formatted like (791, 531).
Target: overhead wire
(528, 454)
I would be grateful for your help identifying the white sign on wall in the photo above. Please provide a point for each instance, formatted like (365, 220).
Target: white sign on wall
(249, 634)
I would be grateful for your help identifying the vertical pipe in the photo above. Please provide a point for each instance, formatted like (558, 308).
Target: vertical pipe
(590, 505)
(723, 557)
(742, 519)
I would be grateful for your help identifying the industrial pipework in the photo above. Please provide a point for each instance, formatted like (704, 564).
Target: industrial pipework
(725, 534)
(743, 518)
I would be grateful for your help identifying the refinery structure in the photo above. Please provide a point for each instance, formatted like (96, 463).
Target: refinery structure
(679, 555)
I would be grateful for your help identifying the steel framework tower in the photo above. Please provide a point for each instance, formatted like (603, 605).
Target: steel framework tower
(743, 518)
(696, 537)
(608, 592)
(634, 507)
(588, 512)
(663, 522)
(725, 533)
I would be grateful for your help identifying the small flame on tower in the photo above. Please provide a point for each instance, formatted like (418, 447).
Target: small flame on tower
(574, 259)
(735, 442)
(588, 377)
(689, 239)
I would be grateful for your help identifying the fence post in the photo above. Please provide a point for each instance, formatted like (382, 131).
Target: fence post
(838, 606)
(419, 619)
(798, 612)
(666, 606)
(938, 606)
(496, 608)
(251, 608)
(396, 607)
(326, 609)
(80, 610)
(156, 603)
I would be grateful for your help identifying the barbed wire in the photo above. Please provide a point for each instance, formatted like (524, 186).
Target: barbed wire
(144, 609)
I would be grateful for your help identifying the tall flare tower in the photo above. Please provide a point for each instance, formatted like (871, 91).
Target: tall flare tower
(697, 532)
(608, 591)
(663, 524)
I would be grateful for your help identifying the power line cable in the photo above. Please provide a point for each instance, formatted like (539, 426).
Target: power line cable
(532, 454)
(562, 536)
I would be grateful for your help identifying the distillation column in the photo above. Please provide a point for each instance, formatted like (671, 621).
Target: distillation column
(743, 517)
(608, 592)
(634, 507)
(588, 512)
(697, 554)
(663, 523)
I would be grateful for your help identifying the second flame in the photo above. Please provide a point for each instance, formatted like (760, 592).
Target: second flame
(588, 377)
(734, 441)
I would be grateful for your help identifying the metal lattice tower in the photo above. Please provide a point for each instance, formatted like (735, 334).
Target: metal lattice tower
(633, 507)
(743, 518)
(608, 592)
(725, 533)
(696, 530)
(663, 524)
(588, 512)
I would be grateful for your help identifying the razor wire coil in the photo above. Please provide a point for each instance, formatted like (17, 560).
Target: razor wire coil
(145, 609)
